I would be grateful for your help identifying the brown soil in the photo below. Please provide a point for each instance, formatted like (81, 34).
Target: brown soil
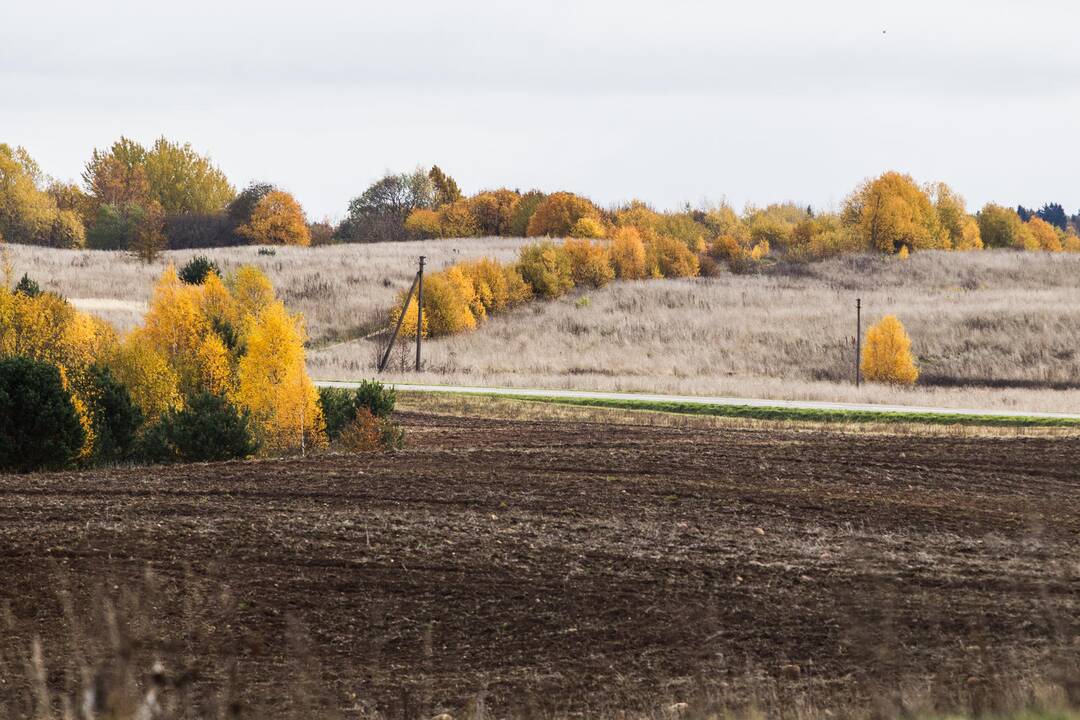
(568, 566)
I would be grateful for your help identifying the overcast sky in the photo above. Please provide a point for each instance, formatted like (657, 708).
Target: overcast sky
(669, 100)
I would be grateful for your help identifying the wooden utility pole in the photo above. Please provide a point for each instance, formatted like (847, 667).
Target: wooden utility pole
(419, 310)
(858, 340)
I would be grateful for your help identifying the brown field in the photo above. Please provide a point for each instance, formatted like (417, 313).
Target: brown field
(563, 566)
(994, 330)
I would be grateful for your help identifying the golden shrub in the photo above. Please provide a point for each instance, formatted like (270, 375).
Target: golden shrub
(886, 354)
(424, 223)
(446, 306)
(546, 267)
(558, 213)
(588, 227)
(628, 254)
(670, 258)
(590, 262)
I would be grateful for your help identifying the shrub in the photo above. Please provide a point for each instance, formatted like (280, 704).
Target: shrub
(628, 254)
(39, 427)
(547, 269)
(588, 227)
(670, 258)
(423, 223)
(196, 269)
(376, 397)
(446, 306)
(590, 262)
(886, 355)
(368, 433)
(115, 416)
(208, 429)
(28, 287)
(338, 407)
(343, 407)
(559, 212)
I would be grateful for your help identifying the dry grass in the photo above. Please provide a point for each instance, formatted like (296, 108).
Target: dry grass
(343, 290)
(996, 330)
(993, 330)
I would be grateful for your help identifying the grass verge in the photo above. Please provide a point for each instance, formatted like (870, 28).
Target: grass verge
(749, 412)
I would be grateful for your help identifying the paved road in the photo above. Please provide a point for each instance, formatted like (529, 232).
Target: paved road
(708, 400)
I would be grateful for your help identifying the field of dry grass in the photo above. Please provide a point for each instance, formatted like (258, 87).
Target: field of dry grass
(995, 330)
(343, 290)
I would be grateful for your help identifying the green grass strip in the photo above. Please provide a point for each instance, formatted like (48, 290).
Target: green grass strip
(802, 414)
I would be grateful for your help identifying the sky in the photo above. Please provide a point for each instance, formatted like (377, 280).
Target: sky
(669, 101)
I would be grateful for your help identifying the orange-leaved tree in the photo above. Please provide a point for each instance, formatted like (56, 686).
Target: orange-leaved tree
(277, 220)
(886, 355)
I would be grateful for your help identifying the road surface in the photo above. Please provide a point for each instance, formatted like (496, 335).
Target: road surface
(707, 400)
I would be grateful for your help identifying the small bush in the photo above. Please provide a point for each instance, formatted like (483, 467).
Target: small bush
(28, 287)
(368, 433)
(208, 429)
(547, 269)
(886, 355)
(590, 262)
(346, 412)
(670, 258)
(267, 251)
(39, 428)
(196, 269)
(376, 397)
(339, 407)
(628, 254)
(115, 416)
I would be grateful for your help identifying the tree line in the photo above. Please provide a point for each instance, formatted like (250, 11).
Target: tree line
(168, 195)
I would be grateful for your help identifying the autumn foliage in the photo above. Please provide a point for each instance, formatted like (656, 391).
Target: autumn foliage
(230, 339)
(886, 354)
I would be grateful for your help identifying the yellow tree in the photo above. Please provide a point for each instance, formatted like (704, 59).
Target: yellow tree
(1044, 235)
(252, 291)
(274, 385)
(892, 211)
(277, 220)
(176, 325)
(146, 374)
(628, 254)
(886, 355)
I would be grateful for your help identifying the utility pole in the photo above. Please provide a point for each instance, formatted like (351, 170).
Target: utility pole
(419, 310)
(858, 340)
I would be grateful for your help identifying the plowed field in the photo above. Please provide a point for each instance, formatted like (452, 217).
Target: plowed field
(570, 566)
